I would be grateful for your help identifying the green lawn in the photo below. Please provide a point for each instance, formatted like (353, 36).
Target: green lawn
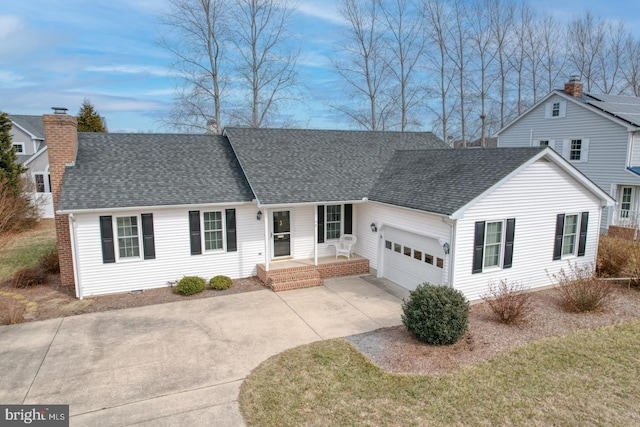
(23, 250)
(588, 378)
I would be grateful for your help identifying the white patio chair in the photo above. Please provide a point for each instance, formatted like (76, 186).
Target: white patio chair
(345, 245)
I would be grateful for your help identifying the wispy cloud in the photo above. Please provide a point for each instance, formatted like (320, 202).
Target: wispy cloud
(321, 10)
(133, 69)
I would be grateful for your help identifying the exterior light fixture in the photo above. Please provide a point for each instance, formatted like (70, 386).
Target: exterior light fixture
(259, 215)
(374, 227)
(446, 248)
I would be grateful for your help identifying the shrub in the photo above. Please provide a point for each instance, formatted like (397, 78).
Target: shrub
(220, 283)
(580, 290)
(50, 262)
(26, 277)
(190, 285)
(11, 311)
(436, 314)
(613, 255)
(509, 302)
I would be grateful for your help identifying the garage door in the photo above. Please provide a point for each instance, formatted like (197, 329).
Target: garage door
(410, 259)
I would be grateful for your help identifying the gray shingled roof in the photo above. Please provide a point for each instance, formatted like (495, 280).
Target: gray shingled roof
(127, 170)
(443, 181)
(297, 166)
(32, 124)
(625, 107)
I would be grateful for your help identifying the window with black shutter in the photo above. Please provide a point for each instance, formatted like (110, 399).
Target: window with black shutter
(148, 240)
(106, 235)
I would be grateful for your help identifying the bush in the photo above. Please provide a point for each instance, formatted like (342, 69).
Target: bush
(190, 285)
(50, 262)
(509, 302)
(436, 314)
(220, 283)
(26, 277)
(580, 290)
(11, 311)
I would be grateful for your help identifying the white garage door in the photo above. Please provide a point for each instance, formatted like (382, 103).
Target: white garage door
(410, 259)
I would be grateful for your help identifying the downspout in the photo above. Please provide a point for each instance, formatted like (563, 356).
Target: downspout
(452, 251)
(267, 240)
(531, 138)
(74, 257)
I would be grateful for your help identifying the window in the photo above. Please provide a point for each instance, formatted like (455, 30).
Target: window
(571, 235)
(387, 244)
(218, 231)
(439, 263)
(417, 255)
(575, 149)
(544, 143)
(397, 247)
(213, 230)
(129, 237)
(625, 203)
(333, 222)
(39, 178)
(492, 244)
(407, 251)
(555, 109)
(428, 259)
(19, 147)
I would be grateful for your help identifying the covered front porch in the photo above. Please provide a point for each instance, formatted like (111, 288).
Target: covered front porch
(288, 274)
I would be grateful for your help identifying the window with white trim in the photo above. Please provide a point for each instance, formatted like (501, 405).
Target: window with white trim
(39, 179)
(555, 109)
(19, 147)
(575, 150)
(625, 202)
(544, 143)
(492, 244)
(213, 230)
(333, 221)
(570, 235)
(128, 237)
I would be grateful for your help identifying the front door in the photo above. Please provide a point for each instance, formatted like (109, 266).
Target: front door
(281, 234)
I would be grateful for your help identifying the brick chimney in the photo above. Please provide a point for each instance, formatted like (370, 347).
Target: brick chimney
(61, 136)
(573, 87)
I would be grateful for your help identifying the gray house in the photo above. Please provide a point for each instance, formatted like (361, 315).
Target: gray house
(599, 134)
(27, 134)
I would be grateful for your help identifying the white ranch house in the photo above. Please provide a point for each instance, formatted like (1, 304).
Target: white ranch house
(136, 211)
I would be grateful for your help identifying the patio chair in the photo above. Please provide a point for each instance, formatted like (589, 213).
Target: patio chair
(345, 245)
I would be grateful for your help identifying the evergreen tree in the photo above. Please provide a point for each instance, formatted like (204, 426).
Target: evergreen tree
(10, 169)
(88, 119)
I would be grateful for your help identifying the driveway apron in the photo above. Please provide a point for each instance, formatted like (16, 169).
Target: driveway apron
(178, 363)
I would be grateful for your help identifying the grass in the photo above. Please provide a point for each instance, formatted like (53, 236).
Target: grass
(589, 377)
(23, 249)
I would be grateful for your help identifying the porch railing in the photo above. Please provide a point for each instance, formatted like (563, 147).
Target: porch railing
(626, 218)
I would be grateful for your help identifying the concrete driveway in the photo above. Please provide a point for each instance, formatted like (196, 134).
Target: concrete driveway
(179, 363)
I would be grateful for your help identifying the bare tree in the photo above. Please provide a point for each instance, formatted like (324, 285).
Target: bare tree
(586, 36)
(458, 54)
(553, 60)
(436, 16)
(631, 67)
(267, 65)
(362, 63)
(196, 31)
(502, 14)
(610, 59)
(406, 43)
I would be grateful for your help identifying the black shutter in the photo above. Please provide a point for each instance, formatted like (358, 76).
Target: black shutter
(194, 232)
(320, 223)
(582, 243)
(508, 243)
(478, 247)
(148, 242)
(232, 245)
(106, 235)
(348, 219)
(557, 247)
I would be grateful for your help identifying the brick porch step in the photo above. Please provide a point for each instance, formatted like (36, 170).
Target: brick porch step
(287, 280)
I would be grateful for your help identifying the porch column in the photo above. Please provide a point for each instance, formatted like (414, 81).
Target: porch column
(315, 236)
(267, 240)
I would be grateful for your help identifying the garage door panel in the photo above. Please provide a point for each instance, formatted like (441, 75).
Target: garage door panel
(404, 258)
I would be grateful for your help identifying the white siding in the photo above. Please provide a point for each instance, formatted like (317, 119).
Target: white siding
(173, 255)
(608, 142)
(635, 151)
(371, 244)
(534, 197)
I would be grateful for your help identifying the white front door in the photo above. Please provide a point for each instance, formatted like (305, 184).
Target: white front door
(281, 234)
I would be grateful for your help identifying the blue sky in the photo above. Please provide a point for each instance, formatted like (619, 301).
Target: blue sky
(56, 53)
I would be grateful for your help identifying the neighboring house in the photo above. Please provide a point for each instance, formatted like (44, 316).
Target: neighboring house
(598, 134)
(139, 210)
(489, 142)
(28, 138)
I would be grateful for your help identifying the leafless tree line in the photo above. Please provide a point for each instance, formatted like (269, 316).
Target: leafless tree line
(472, 65)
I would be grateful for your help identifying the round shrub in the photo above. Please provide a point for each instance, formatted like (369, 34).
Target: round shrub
(190, 285)
(437, 315)
(49, 262)
(220, 283)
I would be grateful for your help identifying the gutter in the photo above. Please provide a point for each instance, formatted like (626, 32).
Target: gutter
(157, 207)
(74, 255)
